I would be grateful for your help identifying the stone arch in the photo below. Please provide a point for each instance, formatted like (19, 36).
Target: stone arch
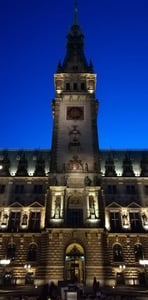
(75, 262)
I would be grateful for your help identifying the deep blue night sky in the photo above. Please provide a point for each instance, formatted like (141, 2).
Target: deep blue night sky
(33, 39)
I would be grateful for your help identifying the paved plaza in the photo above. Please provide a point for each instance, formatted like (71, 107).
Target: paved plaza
(106, 293)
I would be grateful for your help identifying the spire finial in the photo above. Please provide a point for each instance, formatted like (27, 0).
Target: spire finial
(76, 12)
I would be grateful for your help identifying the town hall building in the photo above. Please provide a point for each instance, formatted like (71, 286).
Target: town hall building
(74, 212)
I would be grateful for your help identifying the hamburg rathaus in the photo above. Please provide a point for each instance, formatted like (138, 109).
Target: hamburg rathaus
(74, 212)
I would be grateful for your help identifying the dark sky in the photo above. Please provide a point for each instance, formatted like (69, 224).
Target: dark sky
(33, 39)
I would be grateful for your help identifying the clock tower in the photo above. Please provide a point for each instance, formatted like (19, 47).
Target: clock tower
(75, 108)
(74, 199)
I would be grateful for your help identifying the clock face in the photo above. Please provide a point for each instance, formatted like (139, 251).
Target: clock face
(75, 113)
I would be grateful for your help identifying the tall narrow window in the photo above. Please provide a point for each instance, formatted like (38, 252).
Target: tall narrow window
(135, 221)
(117, 253)
(14, 221)
(130, 189)
(34, 221)
(112, 189)
(2, 188)
(32, 252)
(138, 251)
(19, 188)
(82, 86)
(75, 86)
(115, 221)
(38, 189)
(11, 251)
(67, 86)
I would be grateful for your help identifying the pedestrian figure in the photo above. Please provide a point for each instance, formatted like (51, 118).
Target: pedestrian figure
(94, 285)
(53, 291)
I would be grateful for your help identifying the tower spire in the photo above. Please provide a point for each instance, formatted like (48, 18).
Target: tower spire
(76, 13)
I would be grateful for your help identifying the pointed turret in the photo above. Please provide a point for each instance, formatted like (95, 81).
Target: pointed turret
(75, 61)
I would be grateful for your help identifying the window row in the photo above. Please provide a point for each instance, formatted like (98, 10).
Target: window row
(75, 86)
(17, 220)
(134, 221)
(20, 188)
(128, 189)
(32, 252)
(118, 255)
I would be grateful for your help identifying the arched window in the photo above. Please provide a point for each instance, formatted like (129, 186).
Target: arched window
(117, 253)
(138, 251)
(32, 252)
(11, 251)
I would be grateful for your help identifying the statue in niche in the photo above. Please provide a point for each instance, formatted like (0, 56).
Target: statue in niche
(87, 181)
(125, 220)
(4, 219)
(74, 136)
(57, 207)
(145, 219)
(24, 219)
(91, 205)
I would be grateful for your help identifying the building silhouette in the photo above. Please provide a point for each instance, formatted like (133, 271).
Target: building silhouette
(74, 212)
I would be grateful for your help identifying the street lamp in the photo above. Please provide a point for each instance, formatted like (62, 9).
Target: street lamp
(27, 266)
(122, 267)
(4, 262)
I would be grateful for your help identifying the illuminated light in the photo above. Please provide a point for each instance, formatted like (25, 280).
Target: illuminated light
(59, 91)
(27, 266)
(56, 220)
(1, 167)
(91, 91)
(125, 226)
(143, 262)
(122, 267)
(24, 226)
(93, 220)
(5, 261)
(3, 225)
(118, 173)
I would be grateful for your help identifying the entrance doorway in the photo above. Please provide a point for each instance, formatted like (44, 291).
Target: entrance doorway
(120, 279)
(75, 263)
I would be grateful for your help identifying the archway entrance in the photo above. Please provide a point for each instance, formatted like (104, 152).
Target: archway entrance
(75, 263)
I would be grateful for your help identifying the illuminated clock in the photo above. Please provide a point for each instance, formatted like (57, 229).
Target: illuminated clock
(75, 113)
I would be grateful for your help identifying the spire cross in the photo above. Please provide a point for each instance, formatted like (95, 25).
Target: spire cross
(76, 12)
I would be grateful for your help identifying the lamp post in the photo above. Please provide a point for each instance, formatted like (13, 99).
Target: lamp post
(4, 262)
(29, 274)
(121, 277)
